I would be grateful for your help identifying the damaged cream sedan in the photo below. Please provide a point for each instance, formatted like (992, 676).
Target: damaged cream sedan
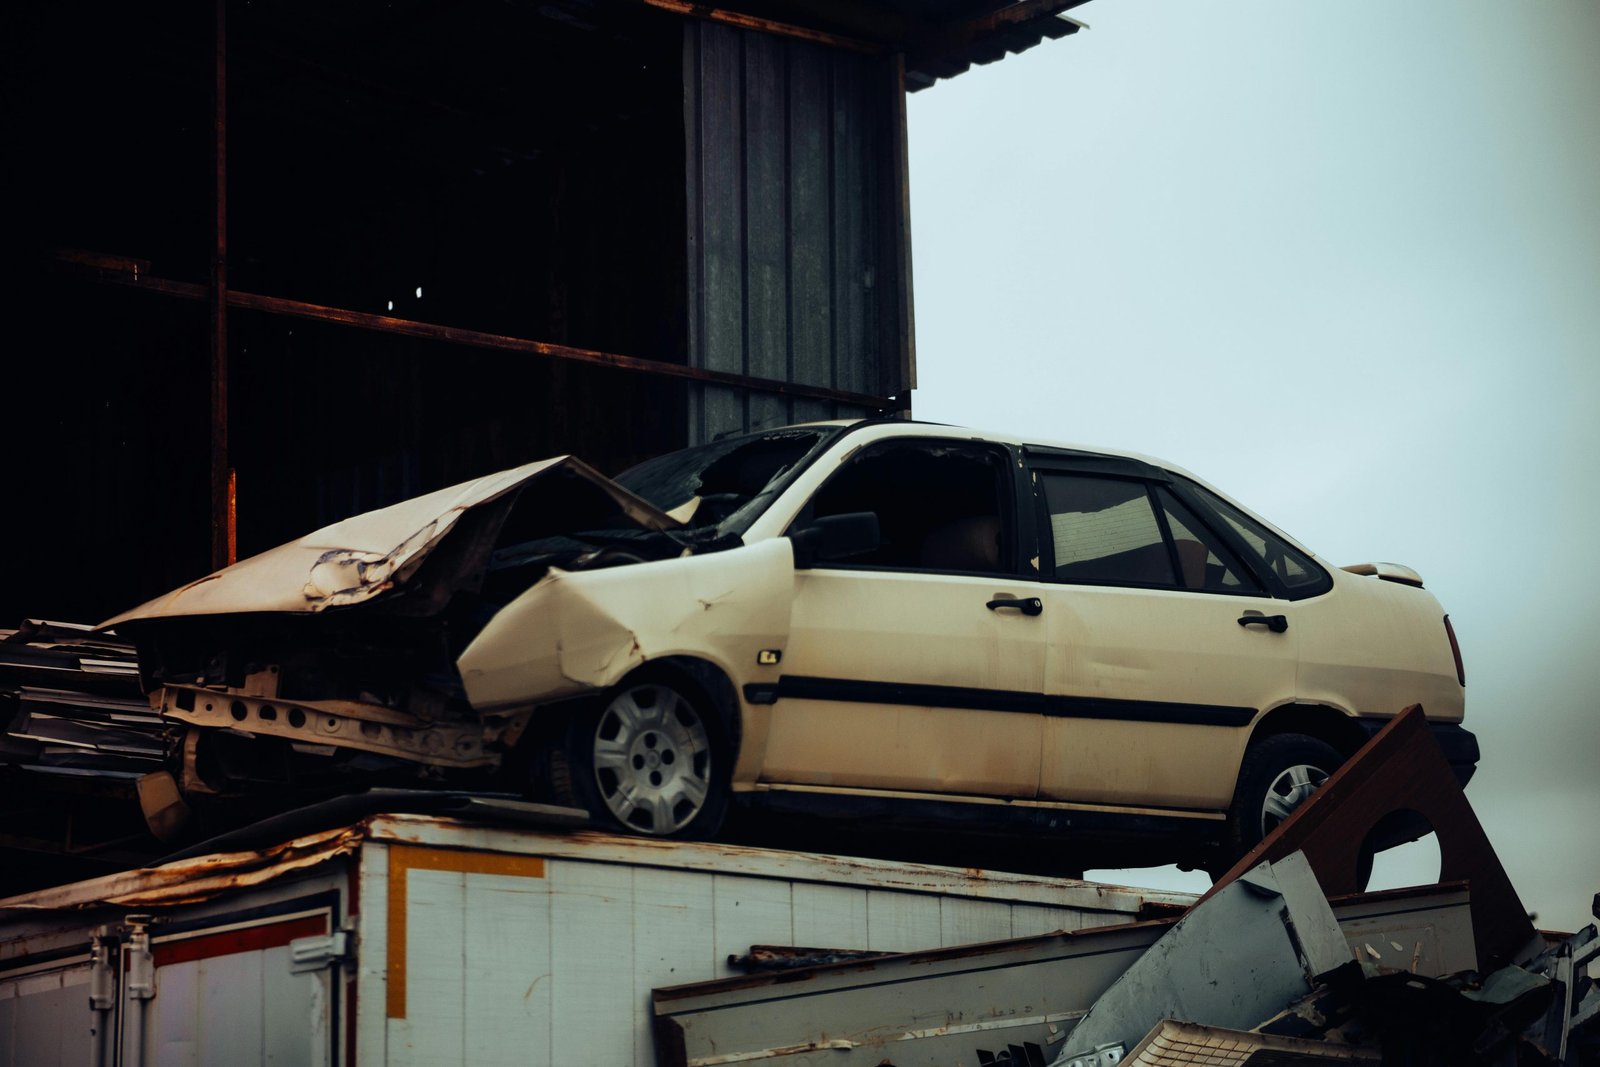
(905, 621)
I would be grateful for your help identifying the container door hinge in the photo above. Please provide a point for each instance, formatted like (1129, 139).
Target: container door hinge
(337, 949)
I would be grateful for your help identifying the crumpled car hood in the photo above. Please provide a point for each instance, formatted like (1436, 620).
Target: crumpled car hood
(366, 555)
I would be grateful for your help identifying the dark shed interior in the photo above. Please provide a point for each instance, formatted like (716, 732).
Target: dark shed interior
(409, 243)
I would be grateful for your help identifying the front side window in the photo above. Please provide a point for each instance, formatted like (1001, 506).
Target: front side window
(1103, 530)
(941, 506)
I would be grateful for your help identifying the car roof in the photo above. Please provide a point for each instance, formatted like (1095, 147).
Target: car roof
(1014, 439)
(911, 426)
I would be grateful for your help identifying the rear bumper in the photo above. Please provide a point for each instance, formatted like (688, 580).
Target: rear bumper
(1460, 745)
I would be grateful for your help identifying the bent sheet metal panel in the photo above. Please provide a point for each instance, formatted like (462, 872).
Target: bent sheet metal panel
(941, 1006)
(360, 557)
(583, 630)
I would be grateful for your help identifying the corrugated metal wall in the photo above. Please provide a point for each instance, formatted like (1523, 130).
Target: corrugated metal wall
(797, 248)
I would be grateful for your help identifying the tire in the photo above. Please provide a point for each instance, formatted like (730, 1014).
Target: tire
(1276, 776)
(649, 757)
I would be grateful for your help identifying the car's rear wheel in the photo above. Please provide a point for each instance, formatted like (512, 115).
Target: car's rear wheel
(648, 757)
(1276, 777)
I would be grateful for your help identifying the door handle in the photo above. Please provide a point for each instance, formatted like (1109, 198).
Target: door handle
(1276, 623)
(1027, 605)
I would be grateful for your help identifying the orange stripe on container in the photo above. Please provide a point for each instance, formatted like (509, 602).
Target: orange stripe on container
(403, 859)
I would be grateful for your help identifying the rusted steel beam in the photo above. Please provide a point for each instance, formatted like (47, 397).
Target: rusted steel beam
(744, 21)
(273, 305)
(224, 533)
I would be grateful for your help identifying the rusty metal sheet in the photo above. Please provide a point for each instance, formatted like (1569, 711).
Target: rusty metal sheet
(193, 880)
(1402, 770)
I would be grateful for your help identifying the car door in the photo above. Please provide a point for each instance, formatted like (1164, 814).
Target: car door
(1156, 666)
(916, 667)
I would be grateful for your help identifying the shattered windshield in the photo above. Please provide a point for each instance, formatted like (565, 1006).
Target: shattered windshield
(727, 483)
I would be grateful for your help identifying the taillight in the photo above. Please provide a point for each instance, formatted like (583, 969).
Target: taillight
(1455, 650)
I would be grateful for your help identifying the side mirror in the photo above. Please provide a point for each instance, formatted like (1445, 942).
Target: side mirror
(835, 537)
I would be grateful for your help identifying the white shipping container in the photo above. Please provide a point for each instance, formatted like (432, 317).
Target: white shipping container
(409, 939)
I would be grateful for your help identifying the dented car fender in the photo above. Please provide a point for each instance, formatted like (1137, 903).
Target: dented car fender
(579, 631)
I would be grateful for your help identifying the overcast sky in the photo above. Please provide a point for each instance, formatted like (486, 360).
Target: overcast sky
(1342, 261)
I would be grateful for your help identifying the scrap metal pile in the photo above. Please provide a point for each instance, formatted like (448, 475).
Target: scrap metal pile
(76, 736)
(1285, 960)
(1282, 962)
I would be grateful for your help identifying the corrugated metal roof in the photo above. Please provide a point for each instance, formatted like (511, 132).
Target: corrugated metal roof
(940, 38)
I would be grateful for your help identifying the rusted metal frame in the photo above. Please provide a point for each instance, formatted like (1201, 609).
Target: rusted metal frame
(950, 39)
(478, 339)
(728, 17)
(224, 484)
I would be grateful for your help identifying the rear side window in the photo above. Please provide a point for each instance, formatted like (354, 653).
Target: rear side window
(1104, 530)
(1297, 572)
(1204, 562)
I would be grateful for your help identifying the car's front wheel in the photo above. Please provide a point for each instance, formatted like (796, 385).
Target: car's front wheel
(648, 757)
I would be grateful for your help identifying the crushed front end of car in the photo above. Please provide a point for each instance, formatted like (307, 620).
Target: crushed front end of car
(337, 652)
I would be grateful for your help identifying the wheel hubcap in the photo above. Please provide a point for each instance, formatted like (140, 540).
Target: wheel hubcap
(1287, 792)
(652, 759)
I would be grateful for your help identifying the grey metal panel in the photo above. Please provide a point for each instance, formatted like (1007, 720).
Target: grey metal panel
(810, 223)
(795, 242)
(45, 1018)
(766, 223)
(715, 159)
(854, 231)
